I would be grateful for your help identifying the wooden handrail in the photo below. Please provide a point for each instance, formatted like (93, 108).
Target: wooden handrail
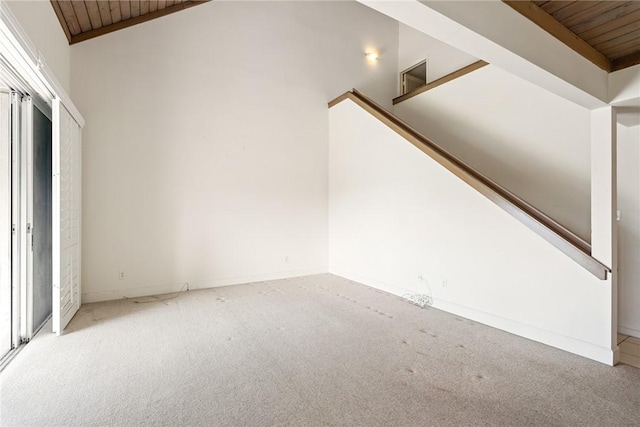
(442, 80)
(559, 236)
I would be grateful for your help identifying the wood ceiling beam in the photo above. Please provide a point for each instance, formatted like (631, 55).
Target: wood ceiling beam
(548, 23)
(129, 22)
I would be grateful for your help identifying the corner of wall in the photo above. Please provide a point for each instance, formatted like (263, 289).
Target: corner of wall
(40, 22)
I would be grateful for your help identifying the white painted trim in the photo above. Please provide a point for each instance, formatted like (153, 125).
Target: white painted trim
(16, 218)
(142, 291)
(79, 195)
(26, 326)
(6, 247)
(592, 351)
(31, 62)
(55, 215)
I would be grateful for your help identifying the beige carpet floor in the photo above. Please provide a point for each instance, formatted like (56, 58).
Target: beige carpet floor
(318, 350)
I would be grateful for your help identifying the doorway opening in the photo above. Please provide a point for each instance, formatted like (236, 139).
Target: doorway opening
(26, 214)
(414, 77)
(40, 194)
(40, 230)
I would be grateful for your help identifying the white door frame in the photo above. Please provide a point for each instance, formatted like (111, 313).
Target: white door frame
(16, 218)
(26, 300)
(6, 294)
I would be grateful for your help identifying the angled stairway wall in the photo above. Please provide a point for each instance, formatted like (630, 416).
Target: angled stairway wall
(401, 222)
(525, 138)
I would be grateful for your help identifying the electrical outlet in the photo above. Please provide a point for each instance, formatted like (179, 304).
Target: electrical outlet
(445, 283)
(286, 259)
(121, 275)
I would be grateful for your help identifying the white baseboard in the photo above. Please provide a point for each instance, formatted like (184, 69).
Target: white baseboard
(142, 291)
(592, 351)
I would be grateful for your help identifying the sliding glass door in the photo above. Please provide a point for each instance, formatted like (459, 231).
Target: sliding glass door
(40, 216)
(6, 301)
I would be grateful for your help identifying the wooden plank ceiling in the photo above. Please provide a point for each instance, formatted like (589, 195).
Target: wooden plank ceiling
(605, 32)
(83, 20)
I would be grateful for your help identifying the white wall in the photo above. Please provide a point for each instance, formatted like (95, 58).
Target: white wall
(486, 29)
(529, 140)
(205, 149)
(39, 20)
(629, 230)
(624, 87)
(395, 214)
(442, 59)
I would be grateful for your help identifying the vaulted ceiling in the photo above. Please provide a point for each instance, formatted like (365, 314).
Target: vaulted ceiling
(605, 32)
(83, 20)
